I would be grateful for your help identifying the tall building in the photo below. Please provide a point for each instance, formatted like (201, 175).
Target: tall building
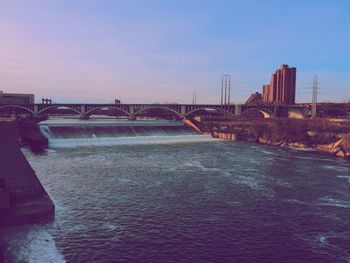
(282, 86)
(16, 98)
(267, 95)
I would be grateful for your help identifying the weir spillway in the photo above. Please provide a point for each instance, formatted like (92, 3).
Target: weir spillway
(95, 132)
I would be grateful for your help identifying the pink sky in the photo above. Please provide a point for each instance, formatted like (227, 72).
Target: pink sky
(99, 51)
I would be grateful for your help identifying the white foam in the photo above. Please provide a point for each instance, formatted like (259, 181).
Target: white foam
(79, 228)
(312, 158)
(266, 152)
(200, 166)
(295, 201)
(344, 177)
(322, 239)
(108, 141)
(249, 169)
(327, 201)
(336, 168)
(32, 244)
(109, 226)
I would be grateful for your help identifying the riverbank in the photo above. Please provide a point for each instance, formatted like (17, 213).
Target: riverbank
(321, 135)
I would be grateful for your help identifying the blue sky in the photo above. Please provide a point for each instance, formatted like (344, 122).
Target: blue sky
(160, 51)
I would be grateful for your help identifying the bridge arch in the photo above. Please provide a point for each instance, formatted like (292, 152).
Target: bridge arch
(159, 108)
(207, 109)
(16, 107)
(257, 113)
(127, 114)
(58, 107)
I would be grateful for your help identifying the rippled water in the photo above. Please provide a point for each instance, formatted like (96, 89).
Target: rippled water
(188, 202)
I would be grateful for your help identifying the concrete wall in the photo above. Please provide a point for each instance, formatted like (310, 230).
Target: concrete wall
(20, 178)
(28, 199)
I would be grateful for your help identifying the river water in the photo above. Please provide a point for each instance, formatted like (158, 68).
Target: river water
(187, 201)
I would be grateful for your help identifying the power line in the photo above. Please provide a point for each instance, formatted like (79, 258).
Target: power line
(194, 97)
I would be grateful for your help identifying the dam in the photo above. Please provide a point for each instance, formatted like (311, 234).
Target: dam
(104, 132)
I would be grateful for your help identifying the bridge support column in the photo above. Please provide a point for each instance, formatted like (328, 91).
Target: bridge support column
(183, 110)
(238, 110)
(132, 110)
(82, 109)
(36, 109)
(84, 116)
(131, 117)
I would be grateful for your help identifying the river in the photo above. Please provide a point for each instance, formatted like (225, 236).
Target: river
(192, 200)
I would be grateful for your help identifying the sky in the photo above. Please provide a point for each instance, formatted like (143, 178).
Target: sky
(162, 50)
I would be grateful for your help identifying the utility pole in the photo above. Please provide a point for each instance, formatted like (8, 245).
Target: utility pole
(194, 97)
(225, 92)
(228, 91)
(222, 92)
(314, 96)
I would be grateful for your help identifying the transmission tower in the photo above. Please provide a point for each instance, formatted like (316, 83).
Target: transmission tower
(314, 96)
(225, 92)
(194, 97)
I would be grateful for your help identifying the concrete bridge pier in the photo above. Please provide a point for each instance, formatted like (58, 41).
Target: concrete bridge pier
(36, 109)
(238, 110)
(82, 108)
(183, 110)
(131, 117)
(132, 110)
(84, 116)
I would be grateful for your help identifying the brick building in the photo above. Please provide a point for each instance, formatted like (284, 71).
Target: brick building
(281, 87)
(254, 98)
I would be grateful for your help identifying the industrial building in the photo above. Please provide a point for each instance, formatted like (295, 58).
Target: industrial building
(16, 98)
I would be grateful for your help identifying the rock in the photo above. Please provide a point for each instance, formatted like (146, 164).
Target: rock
(339, 142)
(311, 133)
(263, 141)
(297, 145)
(341, 154)
(276, 143)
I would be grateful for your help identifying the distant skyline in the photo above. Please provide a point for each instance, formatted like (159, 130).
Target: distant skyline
(161, 51)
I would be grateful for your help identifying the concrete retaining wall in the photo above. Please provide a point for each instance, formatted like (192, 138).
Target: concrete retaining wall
(28, 199)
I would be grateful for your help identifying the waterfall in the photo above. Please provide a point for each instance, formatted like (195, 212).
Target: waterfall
(74, 133)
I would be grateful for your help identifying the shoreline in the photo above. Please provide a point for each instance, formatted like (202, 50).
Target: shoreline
(319, 135)
(333, 149)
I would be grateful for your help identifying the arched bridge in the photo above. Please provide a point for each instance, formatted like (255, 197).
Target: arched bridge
(145, 110)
